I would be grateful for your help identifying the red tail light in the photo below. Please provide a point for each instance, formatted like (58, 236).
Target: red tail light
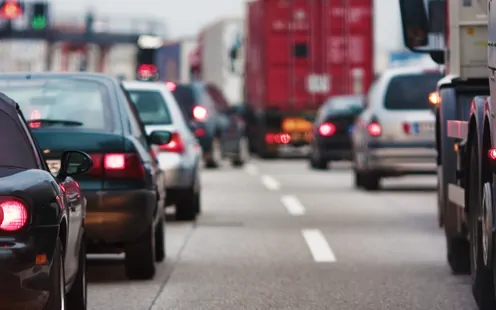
(200, 132)
(15, 215)
(170, 86)
(492, 154)
(200, 113)
(35, 114)
(374, 129)
(176, 144)
(327, 129)
(277, 138)
(117, 166)
(146, 71)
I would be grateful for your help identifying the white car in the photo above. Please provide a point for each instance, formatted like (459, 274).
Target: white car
(180, 158)
(395, 134)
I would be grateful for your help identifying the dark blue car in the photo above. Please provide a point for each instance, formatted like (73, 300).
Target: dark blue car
(217, 125)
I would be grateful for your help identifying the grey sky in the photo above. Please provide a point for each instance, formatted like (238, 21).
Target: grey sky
(186, 17)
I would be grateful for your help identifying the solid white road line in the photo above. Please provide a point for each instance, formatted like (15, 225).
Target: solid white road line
(251, 169)
(270, 183)
(319, 248)
(293, 205)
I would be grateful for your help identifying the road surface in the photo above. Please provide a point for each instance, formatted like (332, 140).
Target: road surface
(276, 235)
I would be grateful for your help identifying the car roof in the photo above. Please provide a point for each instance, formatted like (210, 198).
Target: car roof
(392, 72)
(40, 75)
(144, 85)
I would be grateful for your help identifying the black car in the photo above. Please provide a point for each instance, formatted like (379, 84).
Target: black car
(124, 189)
(331, 136)
(216, 124)
(42, 252)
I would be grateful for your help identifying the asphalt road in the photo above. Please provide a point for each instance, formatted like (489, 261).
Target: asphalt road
(276, 235)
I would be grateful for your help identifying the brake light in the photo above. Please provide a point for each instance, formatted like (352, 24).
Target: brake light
(15, 215)
(327, 129)
(200, 113)
(117, 166)
(176, 144)
(170, 86)
(200, 132)
(35, 114)
(277, 138)
(492, 154)
(114, 161)
(374, 129)
(146, 71)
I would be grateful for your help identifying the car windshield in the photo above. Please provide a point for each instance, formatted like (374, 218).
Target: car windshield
(60, 102)
(354, 103)
(151, 106)
(411, 92)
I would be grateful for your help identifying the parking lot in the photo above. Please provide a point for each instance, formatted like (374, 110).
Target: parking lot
(277, 235)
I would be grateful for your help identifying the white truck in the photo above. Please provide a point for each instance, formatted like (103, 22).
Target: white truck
(465, 129)
(222, 57)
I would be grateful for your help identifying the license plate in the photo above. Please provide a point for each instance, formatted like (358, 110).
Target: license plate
(296, 124)
(296, 136)
(422, 128)
(53, 165)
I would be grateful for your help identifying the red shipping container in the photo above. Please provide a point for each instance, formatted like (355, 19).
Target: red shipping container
(300, 52)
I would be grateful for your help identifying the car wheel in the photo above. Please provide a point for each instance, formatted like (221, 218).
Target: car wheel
(215, 157)
(358, 182)
(160, 241)
(458, 255)
(188, 207)
(77, 297)
(139, 261)
(481, 273)
(56, 300)
(371, 181)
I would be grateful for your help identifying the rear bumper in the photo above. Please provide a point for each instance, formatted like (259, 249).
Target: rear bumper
(179, 170)
(402, 158)
(115, 217)
(25, 284)
(335, 149)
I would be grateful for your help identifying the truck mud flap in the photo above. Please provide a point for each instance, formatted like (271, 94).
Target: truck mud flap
(456, 195)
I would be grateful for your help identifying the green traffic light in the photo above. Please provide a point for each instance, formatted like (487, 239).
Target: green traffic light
(39, 22)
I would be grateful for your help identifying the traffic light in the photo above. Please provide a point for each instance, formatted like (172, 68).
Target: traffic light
(11, 9)
(39, 16)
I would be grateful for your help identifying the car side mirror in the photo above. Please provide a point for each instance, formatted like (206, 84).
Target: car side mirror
(160, 137)
(74, 163)
(415, 23)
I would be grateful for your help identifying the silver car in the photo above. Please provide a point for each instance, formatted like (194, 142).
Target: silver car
(395, 134)
(180, 158)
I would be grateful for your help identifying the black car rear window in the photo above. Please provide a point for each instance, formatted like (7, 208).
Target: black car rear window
(345, 104)
(186, 99)
(79, 100)
(151, 107)
(411, 92)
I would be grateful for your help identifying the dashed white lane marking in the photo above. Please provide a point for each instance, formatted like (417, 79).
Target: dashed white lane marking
(319, 248)
(251, 169)
(270, 183)
(293, 205)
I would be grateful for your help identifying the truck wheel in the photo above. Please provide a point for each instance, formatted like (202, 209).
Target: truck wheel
(482, 274)
(371, 181)
(458, 255)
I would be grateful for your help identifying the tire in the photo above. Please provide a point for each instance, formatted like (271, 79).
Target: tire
(56, 300)
(244, 153)
(482, 275)
(139, 262)
(358, 183)
(77, 298)
(371, 181)
(188, 207)
(160, 248)
(458, 255)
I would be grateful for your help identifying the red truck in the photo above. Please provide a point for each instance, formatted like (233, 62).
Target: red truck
(298, 54)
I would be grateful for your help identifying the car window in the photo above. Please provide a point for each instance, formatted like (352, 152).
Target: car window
(220, 101)
(137, 127)
(355, 103)
(185, 98)
(410, 92)
(39, 159)
(78, 100)
(151, 107)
